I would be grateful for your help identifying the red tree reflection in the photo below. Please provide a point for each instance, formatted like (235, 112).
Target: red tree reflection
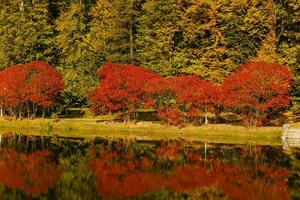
(34, 173)
(237, 181)
(121, 176)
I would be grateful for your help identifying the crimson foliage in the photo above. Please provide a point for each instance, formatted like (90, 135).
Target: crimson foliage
(29, 86)
(172, 116)
(192, 96)
(195, 95)
(34, 173)
(131, 175)
(258, 90)
(123, 88)
(45, 83)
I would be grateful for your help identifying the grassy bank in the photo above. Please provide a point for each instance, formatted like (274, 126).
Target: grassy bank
(146, 131)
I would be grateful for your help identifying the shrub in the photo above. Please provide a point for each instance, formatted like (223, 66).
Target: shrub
(123, 88)
(171, 116)
(258, 90)
(29, 86)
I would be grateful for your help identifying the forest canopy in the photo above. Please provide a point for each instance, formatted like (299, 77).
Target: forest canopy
(209, 39)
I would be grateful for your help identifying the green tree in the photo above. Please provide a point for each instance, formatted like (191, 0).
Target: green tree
(288, 42)
(208, 38)
(156, 35)
(26, 32)
(112, 31)
(78, 70)
(204, 43)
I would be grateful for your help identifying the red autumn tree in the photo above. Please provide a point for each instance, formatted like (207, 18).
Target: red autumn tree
(193, 96)
(171, 116)
(13, 90)
(35, 84)
(123, 88)
(258, 90)
(187, 98)
(45, 84)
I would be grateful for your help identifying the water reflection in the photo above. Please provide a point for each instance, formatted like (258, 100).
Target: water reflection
(52, 168)
(33, 173)
(184, 172)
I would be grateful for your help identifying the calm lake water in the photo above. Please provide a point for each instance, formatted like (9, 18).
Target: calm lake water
(51, 168)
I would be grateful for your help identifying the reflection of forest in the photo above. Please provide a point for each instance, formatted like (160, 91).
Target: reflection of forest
(77, 182)
(60, 172)
(32, 173)
(178, 172)
(294, 180)
(170, 170)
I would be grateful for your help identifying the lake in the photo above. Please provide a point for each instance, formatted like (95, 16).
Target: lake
(56, 168)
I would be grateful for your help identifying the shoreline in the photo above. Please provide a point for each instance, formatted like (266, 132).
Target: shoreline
(143, 131)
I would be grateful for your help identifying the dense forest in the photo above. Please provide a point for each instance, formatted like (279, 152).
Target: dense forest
(210, 39)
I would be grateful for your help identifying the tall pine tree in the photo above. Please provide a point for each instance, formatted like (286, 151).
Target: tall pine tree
(80, 72)
(157, 34)
(112, 34)
(26, 32)
(288, 42)
(209, 38)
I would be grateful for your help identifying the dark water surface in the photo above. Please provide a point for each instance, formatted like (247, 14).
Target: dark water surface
(51, 168)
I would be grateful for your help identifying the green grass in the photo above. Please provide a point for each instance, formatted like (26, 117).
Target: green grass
(145, 131)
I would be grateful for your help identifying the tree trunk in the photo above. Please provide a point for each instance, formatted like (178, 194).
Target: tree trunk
(20, 112)
(206, 117)
(34, 109)
(217, 114)
(12, 112)
(1, 111)
(131, 44)
(28, 110)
